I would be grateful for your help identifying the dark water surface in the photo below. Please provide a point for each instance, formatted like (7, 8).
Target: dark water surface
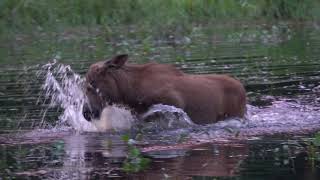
(279, 65)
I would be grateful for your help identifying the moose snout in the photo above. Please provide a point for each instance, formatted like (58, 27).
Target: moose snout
(90, 113)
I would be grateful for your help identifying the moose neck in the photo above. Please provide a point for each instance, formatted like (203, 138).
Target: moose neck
(126, 84)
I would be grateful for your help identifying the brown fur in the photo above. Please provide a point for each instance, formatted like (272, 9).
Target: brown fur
(205, 98)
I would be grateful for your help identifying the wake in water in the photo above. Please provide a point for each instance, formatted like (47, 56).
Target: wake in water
(63, 88)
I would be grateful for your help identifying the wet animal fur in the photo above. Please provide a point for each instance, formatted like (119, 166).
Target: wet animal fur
(205, 98)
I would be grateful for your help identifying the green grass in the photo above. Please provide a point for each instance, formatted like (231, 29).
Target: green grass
(29, 14)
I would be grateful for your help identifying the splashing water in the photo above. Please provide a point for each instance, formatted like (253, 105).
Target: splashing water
(166, 117)
(63, 88)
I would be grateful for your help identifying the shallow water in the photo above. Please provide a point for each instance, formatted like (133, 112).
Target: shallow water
(43, 134)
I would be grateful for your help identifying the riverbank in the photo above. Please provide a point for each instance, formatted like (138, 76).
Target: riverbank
(159, 16)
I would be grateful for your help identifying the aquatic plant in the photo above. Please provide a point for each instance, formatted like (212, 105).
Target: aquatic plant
(135, 161)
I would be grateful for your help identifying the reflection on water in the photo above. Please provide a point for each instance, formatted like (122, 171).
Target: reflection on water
(99, 155)
(207, 160)
(278, 64)
(91, 155)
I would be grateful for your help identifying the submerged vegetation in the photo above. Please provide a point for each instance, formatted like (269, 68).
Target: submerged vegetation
(25, 14)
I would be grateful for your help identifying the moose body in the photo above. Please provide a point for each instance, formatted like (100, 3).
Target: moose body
(205, 98)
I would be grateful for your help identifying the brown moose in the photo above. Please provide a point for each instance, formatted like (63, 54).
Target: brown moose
(205, 98)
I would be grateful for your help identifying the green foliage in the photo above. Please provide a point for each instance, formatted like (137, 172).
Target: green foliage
(152, 13)
(135, 162)
(293, 9)
(125, 138)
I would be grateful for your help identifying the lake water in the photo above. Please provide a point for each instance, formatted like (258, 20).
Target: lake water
(43, 135)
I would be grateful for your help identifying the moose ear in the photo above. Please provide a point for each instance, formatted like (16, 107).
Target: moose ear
(117, 61)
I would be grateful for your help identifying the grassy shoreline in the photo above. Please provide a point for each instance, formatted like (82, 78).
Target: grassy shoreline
(95, 28)
(156, 15)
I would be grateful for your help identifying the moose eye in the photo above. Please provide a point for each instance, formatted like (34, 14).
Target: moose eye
(93, 84)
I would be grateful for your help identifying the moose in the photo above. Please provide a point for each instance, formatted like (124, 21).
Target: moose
(205, 98)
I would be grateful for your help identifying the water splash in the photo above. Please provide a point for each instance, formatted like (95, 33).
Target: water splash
(283, 116)
(161, 117)
(63, 88)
